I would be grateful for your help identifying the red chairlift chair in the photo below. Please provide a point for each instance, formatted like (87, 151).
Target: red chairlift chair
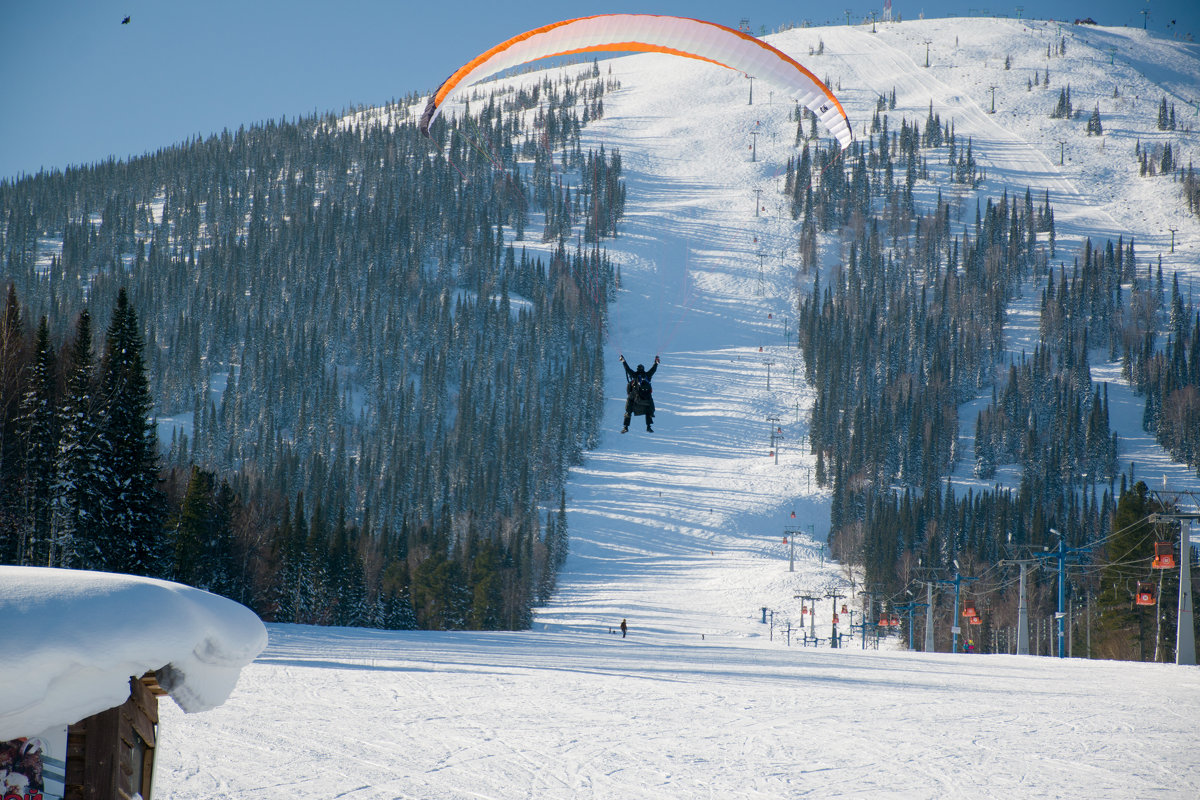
(1145, 594)
(1164, 555)
(969, 611)
(976, 620)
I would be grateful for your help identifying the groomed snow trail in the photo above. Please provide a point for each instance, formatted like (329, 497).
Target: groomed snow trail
(433, 716)
(698, 508)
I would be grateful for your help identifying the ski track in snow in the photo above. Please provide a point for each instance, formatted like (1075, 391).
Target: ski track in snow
(682, 531)
(370, 714)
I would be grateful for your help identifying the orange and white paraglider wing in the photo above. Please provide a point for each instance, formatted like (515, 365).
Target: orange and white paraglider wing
(679, 36)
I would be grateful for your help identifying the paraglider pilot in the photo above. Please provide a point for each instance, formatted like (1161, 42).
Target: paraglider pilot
(639, 399)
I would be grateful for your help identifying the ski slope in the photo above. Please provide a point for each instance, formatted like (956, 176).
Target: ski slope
(681, 531)
(368, 714)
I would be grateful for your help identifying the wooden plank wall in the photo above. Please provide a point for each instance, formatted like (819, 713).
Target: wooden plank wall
(110, 756)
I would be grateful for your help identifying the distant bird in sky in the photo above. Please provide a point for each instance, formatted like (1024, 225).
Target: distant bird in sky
(125, 21)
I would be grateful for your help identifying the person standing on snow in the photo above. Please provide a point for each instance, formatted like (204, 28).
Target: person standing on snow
(639, 395)
(624, 628)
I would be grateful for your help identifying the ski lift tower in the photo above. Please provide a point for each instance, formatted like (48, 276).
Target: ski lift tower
(1185, 637)
(957, 582)
(909, 608)
(810, 606)
(834, 639)
(1023, 608)
(1063, 555)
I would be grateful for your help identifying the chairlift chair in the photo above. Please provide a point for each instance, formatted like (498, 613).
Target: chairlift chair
(1145, 594)
(969, 611)
(976, 620)
(1164, 555)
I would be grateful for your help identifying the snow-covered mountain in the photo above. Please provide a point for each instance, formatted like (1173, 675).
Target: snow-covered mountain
(688, 532)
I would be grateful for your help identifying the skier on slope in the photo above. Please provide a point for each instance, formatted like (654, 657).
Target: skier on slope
(639, 395)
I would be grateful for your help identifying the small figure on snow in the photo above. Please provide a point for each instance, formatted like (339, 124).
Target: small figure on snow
(624, 628)
(639, 399)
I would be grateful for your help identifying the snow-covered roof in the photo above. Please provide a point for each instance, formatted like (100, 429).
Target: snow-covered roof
(72, 640)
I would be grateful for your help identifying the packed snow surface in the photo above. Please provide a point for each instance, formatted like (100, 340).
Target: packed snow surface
(73, 639)
(585, 714)
(681, 532)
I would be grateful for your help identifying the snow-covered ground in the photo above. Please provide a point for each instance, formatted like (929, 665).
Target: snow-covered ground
(681, 532)
(368, 714)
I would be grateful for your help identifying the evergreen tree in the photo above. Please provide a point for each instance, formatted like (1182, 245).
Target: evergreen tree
(39, 434)
(395, 604)
(1062, 110)
(77, 494)
(486, 584)
(12, 368)
(440, 594)
(203, 539)
(132, 524)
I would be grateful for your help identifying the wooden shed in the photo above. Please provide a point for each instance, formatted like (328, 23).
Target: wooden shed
(111, 754)
(79, 700)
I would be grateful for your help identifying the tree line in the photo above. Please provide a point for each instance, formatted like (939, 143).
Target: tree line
(908, 325)
(78, 450)
(373, 389)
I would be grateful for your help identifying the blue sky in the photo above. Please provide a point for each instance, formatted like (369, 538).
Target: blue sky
(77, 86)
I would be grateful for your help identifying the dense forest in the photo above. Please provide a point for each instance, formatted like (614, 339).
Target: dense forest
(369, 392)
(907, 327)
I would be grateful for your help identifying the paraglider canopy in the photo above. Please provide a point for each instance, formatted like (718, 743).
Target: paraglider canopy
(681, 36)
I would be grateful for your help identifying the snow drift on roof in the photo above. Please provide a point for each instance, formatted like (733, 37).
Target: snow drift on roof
(73, 639)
